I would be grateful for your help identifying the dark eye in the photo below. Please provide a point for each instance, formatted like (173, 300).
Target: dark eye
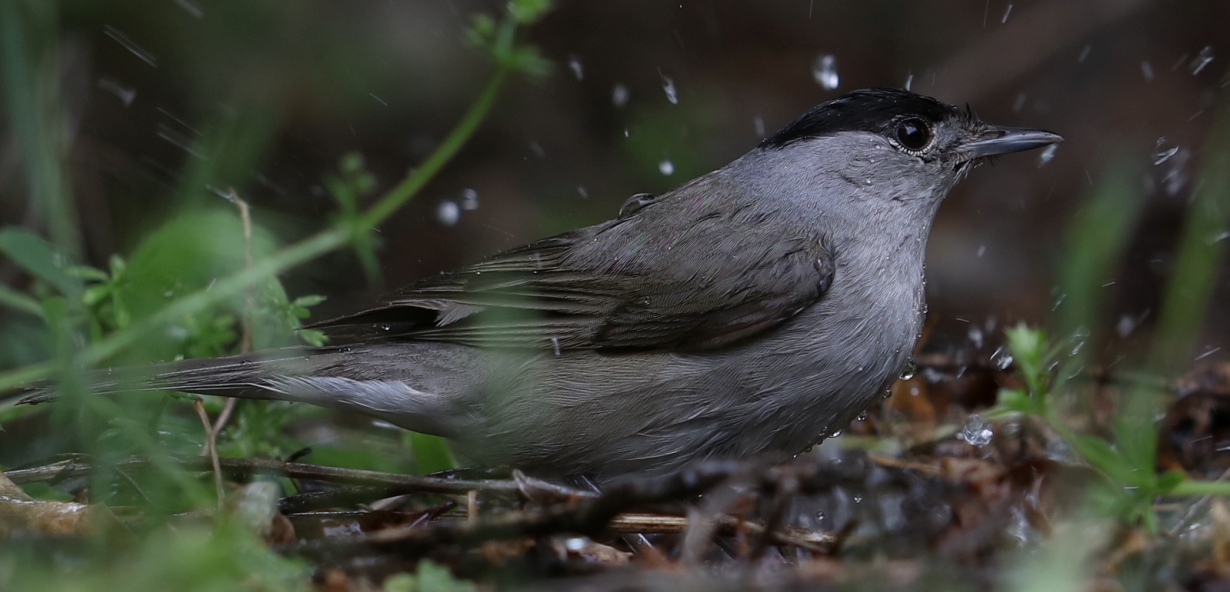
(913, 134)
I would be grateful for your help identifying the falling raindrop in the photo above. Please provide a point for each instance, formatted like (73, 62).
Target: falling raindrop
(555, 343)
(666, 167)
(1201, 60)
(982, 250)
(574, 64)
(1161, 153)
(976, 337)
(976, 431)
(668, 86)
(469, 199)
(1006, 13)
(1147, 69)
(447, 213)
(619, 95)
(1047, 155)
(1019, 104)
(909, 80)
(1125, 326)
(1001, 358)
(126, 95)
(758, 125)
(1084, 54)
(130, 45)
(190, 7)
(825, 71)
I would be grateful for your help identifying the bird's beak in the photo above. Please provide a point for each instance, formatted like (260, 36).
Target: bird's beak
(1004, 140)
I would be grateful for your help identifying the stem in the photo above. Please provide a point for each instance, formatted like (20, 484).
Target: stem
(299, 253)
(457, 138)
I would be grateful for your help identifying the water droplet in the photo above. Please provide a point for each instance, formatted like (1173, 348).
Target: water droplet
(1202, 59)
(1001, 358)
(908, 371)
(668, 86)
(555, 343)
(1006, 13)
(386, 327)
(469, 199)
(1019, 103)
(447, 213)
(858, 499)
(574, 64)
(835, 434)
(191, 8)
(130, 45)
(888, 393)
(909, 81)
(619, 96)
(666, 167)
(1047, 155)
(126, 95)
(862, 416)
(976, 337)
(1125, 326)
(1160, 152)
(825, 71)
(976, 431)
(819, 515)
(1147, 69)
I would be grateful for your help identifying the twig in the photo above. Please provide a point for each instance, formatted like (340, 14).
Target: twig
(211, 449)
(249, 297)
(246, 468)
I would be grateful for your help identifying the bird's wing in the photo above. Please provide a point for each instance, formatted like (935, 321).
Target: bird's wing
(696, 282)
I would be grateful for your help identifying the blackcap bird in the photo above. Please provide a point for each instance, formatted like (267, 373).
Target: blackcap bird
(752, 311)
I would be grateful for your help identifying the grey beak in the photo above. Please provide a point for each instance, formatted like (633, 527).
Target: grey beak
(1004, 140)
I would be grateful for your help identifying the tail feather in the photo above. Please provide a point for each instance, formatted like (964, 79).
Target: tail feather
(383, 381)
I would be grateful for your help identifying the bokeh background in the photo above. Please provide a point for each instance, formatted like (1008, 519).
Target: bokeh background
(171, 100)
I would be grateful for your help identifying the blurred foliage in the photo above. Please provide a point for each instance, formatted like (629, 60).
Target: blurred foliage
(188, 559)
(429, 577)
(192, 287)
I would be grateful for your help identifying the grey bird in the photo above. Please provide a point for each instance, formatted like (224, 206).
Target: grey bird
(752, 311)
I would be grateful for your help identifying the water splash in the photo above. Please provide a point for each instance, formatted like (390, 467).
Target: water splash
(1161, 153)
(976, 431)
(825, 71)
(1001, 358)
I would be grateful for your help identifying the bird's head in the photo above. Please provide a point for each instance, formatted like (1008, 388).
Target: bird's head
(891, 146)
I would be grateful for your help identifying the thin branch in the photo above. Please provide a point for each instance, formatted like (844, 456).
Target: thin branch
(211, 449)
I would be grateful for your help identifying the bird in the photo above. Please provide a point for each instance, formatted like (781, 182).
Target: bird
(749, 313)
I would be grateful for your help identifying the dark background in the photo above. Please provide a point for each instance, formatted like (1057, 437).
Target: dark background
(301, 83)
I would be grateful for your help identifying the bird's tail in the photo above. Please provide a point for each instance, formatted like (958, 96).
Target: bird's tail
(374, 381)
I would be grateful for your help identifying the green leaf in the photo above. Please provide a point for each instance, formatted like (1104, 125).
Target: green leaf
(37, 257)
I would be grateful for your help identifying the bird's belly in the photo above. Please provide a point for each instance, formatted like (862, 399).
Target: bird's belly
(610, 414)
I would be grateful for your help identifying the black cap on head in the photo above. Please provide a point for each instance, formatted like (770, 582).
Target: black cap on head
(869, 110)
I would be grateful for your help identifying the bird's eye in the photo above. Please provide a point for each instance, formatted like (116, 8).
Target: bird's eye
(913, 134)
